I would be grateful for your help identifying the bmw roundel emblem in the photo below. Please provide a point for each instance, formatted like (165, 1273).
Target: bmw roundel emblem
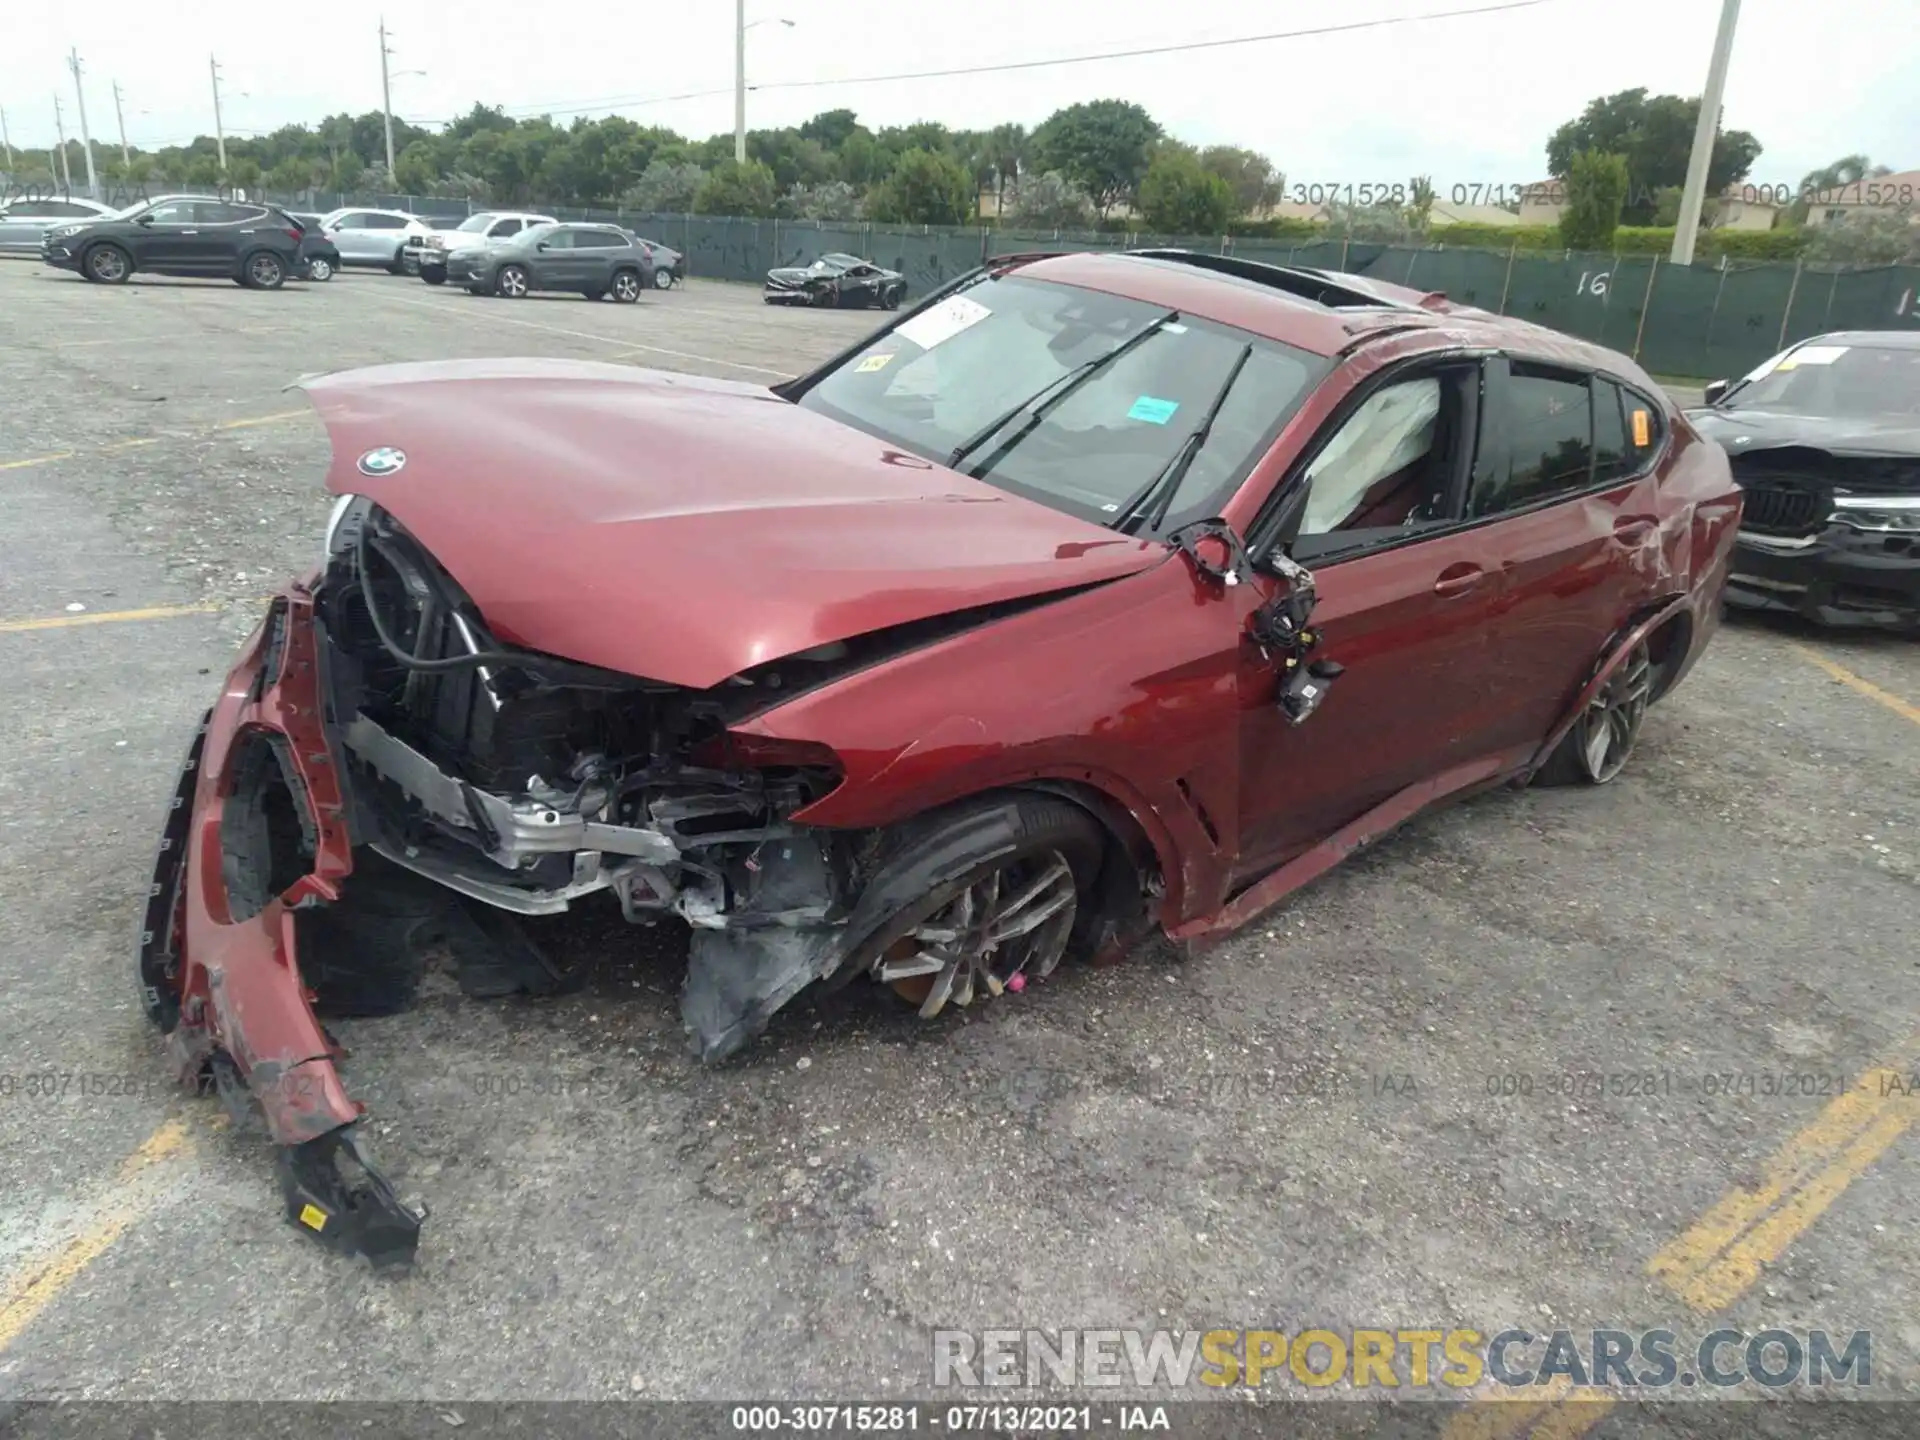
(384, 461)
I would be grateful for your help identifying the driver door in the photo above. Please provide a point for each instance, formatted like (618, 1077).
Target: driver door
(1406, 600)
(166, 237)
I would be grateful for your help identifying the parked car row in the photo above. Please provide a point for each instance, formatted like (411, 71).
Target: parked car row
(261, 246)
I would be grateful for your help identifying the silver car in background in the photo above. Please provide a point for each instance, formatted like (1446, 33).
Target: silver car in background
(387, 239)
(473, 234)
(669, 265)
(24, 222)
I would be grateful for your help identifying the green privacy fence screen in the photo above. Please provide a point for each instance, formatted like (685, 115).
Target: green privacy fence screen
(1706, 320)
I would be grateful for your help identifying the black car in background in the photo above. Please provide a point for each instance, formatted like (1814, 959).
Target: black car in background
(1825, 443)
(837, 280)
(320, 255)
(591, 260)
(250, 244)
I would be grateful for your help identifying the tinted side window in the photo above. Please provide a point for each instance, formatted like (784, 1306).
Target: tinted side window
(385, 222)
(599, 240)
(179, 212)
(219, 212)
(1611, 459)
(1548, 431)
(505, 227)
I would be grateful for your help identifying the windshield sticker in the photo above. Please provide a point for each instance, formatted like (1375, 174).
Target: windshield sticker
(1153, 411)
(1813, 355)
(873, 363)
(943, 321)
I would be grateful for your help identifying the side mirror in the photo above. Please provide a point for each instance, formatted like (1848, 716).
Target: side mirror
(144, 220)
(1717, 391)
(541, 246)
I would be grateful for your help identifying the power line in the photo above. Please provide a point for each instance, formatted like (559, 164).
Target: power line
(628, 102)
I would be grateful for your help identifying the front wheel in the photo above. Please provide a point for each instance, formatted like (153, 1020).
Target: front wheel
(511, 282)
(263, 271)
(433, 275)
(626, 286)
(1601, 741)
(108, 264)
(982, 903)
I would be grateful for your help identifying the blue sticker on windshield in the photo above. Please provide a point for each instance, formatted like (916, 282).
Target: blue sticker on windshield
(1154, 412)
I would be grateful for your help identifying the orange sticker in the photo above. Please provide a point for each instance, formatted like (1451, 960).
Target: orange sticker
(1642, 429)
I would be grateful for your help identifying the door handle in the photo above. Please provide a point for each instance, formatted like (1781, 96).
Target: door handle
(1458, 579)
(189, 232)
(1632, 529)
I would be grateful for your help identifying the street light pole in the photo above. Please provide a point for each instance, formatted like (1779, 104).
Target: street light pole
(120, 116)
(740, 81)
(219, 132)
(86, 136)
(6, 140)
(386, 100)
(1693, 197)
(60, 129)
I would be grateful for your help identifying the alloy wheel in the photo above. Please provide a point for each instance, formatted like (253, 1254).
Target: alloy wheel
(512, 282)
(1607, 728)
(1003, 928)
(107, 264)
(265, 271)
(626, 287)
(319, 270)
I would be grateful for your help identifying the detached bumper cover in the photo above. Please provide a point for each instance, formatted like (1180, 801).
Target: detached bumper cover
(1840, 577)
(229, 991)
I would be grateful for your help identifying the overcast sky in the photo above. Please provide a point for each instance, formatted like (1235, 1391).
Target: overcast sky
(1469, 101)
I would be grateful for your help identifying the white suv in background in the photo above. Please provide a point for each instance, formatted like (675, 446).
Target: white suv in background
(390, 239)
(476, 232)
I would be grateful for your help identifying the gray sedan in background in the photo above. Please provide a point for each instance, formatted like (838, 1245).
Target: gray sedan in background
(24, 222)
(669, 265)
(591, 260)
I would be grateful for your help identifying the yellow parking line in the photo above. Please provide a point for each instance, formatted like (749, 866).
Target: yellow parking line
(1854, 682)
(117, 445)
(27, 1292)
(273, 419)
(1715, 1260)
(36, 460)
(1548, 1412)
(107, 617)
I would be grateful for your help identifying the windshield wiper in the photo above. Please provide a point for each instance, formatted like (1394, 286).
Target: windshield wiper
(1042, 402)
(1151, 500)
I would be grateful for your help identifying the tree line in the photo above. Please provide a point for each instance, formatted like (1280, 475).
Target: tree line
(1619, 163)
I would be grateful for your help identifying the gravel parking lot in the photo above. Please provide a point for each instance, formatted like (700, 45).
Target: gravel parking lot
(1320, 1123)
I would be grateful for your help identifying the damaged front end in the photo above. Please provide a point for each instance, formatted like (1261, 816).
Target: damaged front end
(382, 775)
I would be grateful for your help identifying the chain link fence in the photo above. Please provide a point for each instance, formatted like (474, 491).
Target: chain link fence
(1705, 320)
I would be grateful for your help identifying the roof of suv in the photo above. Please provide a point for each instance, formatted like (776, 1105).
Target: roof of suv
(1868, 339)
(1325, 312)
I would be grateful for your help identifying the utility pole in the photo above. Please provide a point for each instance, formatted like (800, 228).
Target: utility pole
(386, 99)
(1693, 197)
(60, 129)
(86, 136)
(219, 132)
(120, 115)
(740, 81)
(6, 140)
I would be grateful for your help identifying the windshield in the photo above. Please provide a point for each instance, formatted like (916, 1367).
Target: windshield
(475, 223)
(1848, 381)
(932, 384)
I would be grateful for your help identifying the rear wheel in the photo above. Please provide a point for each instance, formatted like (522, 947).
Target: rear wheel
(263, 270)
(511, 282)
(626, 286)
(1601, 741)
(663, 279)
(319, 269)
(107, 263)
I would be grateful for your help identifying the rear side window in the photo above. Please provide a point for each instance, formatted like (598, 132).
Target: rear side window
(1548, 433)
(385, 222)
(599, 240)
(1645, 433)
(219, 212)
(1611, 457)
(505, 227)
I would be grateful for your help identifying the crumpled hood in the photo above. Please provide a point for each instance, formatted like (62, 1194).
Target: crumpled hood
(799, 274)
(1744, 431)
(681, 528)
